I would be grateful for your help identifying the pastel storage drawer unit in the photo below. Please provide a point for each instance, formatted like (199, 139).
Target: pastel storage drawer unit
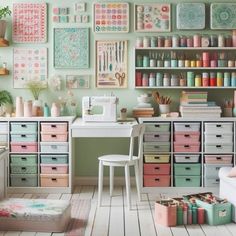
(156, 169)
(24, 147)
(157, 127)
(218, 138)
(22, 159)
(157, 137)
(187, 136)
(49, 137)
(55, 127)
(25, 169)
(189, 127)
(211, 182)
(53, 159)
(211, 170)
(218, 159)
(158, 158)
(187, 147)
(156, 180)
(186, 158)
(54, 147)
(156, 147)
(54, 169)
(187, 181)
(187, 169)
(17, 180)
(219, 148)
(24, 127)
(15, 137)
(48, 180)
(219, 127)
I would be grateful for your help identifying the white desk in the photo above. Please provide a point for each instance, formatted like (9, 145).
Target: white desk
(101, 129)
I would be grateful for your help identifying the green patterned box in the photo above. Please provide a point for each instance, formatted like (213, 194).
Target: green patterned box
(22, 159)
(24, 180)
(26, 169)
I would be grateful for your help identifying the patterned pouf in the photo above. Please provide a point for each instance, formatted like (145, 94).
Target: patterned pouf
(37, 215)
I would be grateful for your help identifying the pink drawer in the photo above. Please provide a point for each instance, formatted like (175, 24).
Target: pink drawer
(156, 180)
(54, 180)
(54, 137)
(56, 127)
(54, 169)
(218, 159)
(24, 147)
(158, 137)
(156, 169)
(190, 147)
(187, 137)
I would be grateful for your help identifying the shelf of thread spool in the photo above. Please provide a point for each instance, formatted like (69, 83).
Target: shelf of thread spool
(183, 87)
(185, 68)
(186, 48)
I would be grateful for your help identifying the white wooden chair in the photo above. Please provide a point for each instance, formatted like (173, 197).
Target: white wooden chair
(116, 160)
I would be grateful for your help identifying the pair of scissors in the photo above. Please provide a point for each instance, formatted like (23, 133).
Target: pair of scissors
(120, 77)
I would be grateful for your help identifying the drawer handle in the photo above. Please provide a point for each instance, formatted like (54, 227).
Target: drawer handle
(187, 180)
(218, 146)
(23, 179)
(23, 135)
(187, 168)
(217, 180)
(157, 126)
(23, 146)
(218, 136)
(186, 146)
(23, 168)
(23, 158)
(217, 168)
(218, 158)
(156, 146)
(54, 168)
(157, 168)
(157, 157)
(54, 158)
(156, 135)
(187, 126)
(23, 126)
(158, 180)
(187, 158)
(218, 126)
(54, 146)
(187, 136)
(54, 179)
(53, 135)
(53, 126)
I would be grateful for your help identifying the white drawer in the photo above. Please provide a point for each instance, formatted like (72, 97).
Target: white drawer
(53, 147)
(218, 138)
(219, 148)
(219, 127)
(187, 126)
(212, 170)
(3, 127)
(187, 158)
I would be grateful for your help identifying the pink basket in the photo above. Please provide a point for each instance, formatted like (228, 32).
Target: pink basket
(156, 169)
(54, 169)
(24, 147)
(190, 147)
(187, 137)
(54, 127)
(218, 159)
(54, 137)
(156, 180)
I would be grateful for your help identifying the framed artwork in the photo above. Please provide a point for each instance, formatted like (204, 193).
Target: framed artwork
(71, 48)
(77, 81)
(80, 7)
(190, 16)
(111, 64)
(111, 17)
(223, 16)
(29, 22)
(29, 64)
(152, 17)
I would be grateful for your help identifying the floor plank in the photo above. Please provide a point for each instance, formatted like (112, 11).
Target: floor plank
(27, 234)
(179, 231)
(12, 233)
(232, 228)
(194, 230)
(87, 192)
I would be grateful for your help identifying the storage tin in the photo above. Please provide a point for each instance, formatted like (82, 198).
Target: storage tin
(21, 159)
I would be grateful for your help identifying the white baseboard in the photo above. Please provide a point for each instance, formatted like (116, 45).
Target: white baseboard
(119, 181)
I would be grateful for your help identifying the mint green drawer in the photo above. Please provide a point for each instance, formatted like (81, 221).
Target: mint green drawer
(26, 169)
(54, 159)
(24, 180)
(187, 181)
(24, 137)
(187, 169)
(23, 159)
(160, 127)
(155, 147)
(22, 127)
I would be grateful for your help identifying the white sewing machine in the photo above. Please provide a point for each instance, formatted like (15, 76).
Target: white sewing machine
(108, 105)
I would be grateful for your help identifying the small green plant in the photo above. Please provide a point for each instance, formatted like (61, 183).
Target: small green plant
(36, 87)
(5, 98)
(4, 11)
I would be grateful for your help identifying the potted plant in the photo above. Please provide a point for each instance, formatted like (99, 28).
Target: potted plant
(5, 99)
(4, 11)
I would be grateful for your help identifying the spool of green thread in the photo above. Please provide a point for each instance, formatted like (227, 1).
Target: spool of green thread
(179, 215)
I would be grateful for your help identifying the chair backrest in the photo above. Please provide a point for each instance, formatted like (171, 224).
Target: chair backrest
(137, 131)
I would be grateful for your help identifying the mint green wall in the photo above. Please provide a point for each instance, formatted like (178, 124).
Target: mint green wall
(87, 150)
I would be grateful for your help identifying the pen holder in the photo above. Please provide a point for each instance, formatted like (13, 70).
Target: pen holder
(164, 108)
(228, 112)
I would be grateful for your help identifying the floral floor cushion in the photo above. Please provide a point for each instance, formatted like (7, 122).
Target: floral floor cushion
(43, 215)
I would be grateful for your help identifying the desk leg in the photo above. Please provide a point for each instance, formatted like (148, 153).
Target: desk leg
(100, 183)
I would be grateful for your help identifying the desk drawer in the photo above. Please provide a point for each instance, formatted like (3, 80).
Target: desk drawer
(54, 169)
(24, 147)
(24, 180)
(212, 170)
(187, 137)
(218, 159)
(156, 147)
(47, 147)
(219, 127)
(187, 169)
(24, 169)
(219, 148)
(157, 127)
(156, 169)
(183, 127)
(54, 180)
(23, 159)
(54, 137)
(157, 137)
(24, 137)
(22, 127)
(156, 180)
(54, 127)
(54, 159)
(158, 158)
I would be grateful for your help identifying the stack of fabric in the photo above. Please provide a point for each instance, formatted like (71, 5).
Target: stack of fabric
(194, 104)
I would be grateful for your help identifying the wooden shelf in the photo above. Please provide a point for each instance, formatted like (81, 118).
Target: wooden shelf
(4, 71)
(4, 42)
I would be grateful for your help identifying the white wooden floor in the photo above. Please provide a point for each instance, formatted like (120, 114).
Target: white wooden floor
(113, 218)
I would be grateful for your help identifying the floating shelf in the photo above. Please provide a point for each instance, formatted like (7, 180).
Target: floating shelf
(185, 68)
(4, 42)
(4, 71)
(183, 87)
(186, 48)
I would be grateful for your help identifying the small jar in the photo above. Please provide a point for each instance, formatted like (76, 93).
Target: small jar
(152, 80)
(213, 40)
(227, 79)
(166, 80)
(175, 41)
(181, 63)
(139, 61)
(146, 61)
(190, 79)
(197, 40)
(182, 82)
(139, 42)
(153, 42)
(159, 79)
(189, 41)
(219, 79)
(198, 81)
(153, 62)
(205, 79)
(183, 41)
(55, 110)
(146, 42)
(221, 40)
(145, 80)
(174, 81)
(160, 41)
(212, 79)
(168, 42)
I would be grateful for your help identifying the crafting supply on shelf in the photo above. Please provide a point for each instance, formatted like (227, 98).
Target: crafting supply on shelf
(219, 79)
(138, 78)
(139, 61)
(197, 40)
(198, 81)
(213, 40)
(200, 215)
(146, 61)
(189, 41)
(175, 41)
(146, 42)
(139, 42)
(190, 219)
(212, 79)
(152, 80)
(234, 38)
(221, 40)
(174, 81)
(153, 42)
(145, 80)
(179, 215)
(227, 79)
(194, 214)
(166, 80)
(160, 41)
(185, 214)
(190, 79)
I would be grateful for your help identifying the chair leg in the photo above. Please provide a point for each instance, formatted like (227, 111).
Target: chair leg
(100, 183)
(111, 180)
(137, 174)
(127, 183)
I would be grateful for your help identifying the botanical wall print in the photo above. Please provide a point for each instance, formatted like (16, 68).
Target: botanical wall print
(111, 64)
(29, 64)
(71, 48)
(223, 16)
(190, 15)
(77, 81)
(152, 17)
(111, 17)
(29, 22)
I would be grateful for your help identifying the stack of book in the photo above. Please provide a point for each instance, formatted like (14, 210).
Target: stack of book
(143, 111)
(194, 104)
